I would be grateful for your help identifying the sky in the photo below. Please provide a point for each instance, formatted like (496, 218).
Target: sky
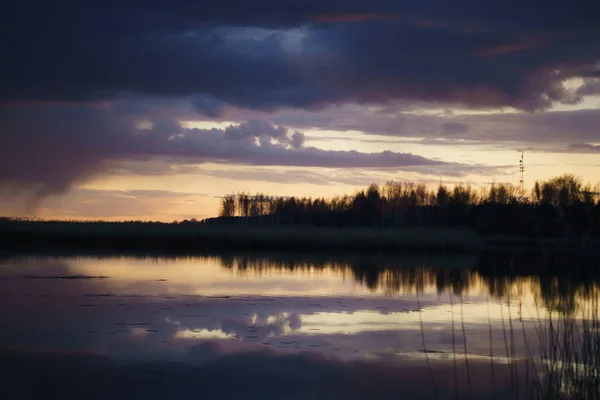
(154, 110)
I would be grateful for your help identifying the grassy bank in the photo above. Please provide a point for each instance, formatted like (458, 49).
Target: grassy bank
(121, 236)
(16, 235)
(195, 237)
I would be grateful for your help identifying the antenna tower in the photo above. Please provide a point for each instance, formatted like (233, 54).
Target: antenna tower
(522, 174)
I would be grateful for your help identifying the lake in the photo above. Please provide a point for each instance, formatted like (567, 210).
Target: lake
(284, 327)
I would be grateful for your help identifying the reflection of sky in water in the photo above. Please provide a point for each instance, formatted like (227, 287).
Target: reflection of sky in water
(201, 309)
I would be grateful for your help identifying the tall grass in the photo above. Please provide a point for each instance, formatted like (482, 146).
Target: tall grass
(562, 361)
(570, 355)
(552, 353)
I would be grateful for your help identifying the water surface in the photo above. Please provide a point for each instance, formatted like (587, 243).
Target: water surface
(417, 326)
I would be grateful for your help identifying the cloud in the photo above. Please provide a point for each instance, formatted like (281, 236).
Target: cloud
(549, 127)
(560, 127)
(297, 175)
(580, 148)
(150, 166)
(255, 128)
(307, 54)
(263, 327)
(590, 87)
(452, 128)
(45, 150)
(297, 140)
(207, 105)
(452, 174)
(48, 148)
(257, 142)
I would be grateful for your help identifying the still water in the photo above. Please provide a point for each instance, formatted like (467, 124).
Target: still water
(275, 327)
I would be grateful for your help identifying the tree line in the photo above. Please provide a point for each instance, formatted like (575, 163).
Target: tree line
(559, 206)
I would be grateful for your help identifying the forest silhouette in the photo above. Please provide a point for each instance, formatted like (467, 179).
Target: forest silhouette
(559, 207)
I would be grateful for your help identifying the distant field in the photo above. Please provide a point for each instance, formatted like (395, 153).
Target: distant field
(15, 235)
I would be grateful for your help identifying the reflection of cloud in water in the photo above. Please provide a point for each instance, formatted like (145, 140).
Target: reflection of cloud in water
(203, 334)
(261, 327)
(246, 327)
(149, 310)
(134, 327)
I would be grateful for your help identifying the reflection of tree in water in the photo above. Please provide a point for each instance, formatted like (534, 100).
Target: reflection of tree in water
(499, 286)
(417, 279)
(565, 295)
(390, 278)
(227, 261)
(367, 274)
(568, 339)
(570, 349)
(558, 289)
(558, 294)
(563, 282)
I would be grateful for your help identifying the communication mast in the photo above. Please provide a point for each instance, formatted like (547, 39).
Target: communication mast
(522, 174)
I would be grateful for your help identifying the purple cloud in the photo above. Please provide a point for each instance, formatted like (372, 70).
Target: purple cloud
(581, 148)
(454, 128)
(546, 127)
(46, 149)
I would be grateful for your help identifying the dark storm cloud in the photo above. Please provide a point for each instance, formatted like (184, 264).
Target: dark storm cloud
(45, 150)
(207, 105)
(269, 53)
(176, 14)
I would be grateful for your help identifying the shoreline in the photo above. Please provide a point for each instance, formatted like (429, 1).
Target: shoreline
(16, 236)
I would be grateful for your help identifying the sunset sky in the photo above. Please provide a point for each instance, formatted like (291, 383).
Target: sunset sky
(148, 109)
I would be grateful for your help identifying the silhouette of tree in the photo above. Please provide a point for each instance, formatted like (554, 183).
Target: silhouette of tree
(228, 206)
(561, 206)
(442, 196)
(567, 189)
